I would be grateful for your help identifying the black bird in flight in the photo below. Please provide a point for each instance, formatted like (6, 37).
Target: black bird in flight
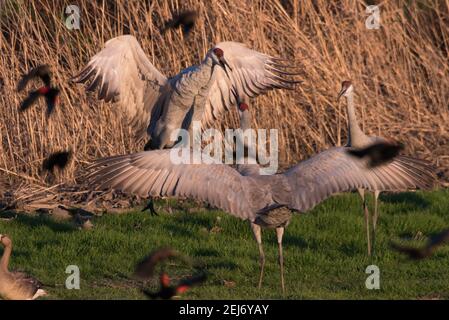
(49, 92)
(185, 19)
(378, 153)
(145, 270)
(168, 291)
(425, 252)
(58, 159)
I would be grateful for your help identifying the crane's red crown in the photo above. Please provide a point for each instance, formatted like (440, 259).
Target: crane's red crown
(218, 52)
(243, 106)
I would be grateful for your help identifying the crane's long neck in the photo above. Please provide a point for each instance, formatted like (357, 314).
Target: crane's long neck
(245, 120)
(4, 262)
(249, 165)
(355, 133)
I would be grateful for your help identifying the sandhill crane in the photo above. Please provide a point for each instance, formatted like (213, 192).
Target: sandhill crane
(123, 74)
(16, 285)
(265, 200)
(420, 170)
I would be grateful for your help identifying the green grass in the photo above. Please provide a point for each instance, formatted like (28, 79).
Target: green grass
(325, 251)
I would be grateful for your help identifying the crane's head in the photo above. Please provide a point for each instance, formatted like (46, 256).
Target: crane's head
(4, 240)
(346, 89)
(217, 55)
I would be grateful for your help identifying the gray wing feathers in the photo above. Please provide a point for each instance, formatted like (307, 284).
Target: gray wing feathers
(253, 73)
(153, 174)
(123, 73)
(334, 171)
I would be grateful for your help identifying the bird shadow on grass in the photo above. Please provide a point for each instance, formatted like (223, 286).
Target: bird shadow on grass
(228, 265)
(179, 231)
(38, 220)
(349, 249)
(297, 242)
(411, 199)
(18, 253)
(206, 252)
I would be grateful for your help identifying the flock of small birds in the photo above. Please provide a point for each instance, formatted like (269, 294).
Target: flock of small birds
(50, 93)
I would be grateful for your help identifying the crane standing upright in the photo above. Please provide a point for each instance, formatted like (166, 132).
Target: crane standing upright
(419, 170)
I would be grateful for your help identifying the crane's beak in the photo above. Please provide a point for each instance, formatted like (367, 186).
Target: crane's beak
(342, 91)
(224, 64)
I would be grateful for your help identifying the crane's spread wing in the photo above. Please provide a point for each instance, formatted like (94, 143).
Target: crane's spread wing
(253, 73)
(334, 170)
(123, 73)
(152, 173)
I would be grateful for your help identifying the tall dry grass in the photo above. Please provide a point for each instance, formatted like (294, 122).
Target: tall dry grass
(400, 71)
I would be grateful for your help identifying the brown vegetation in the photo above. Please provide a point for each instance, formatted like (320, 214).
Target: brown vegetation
(400, 72)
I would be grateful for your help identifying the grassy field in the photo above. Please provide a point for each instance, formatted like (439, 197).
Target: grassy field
(325, 251)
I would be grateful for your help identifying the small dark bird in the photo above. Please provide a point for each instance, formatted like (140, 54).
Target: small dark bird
(168, 291)
(421, 253)
(43, 72)
(145, 268)
(150, 206)
(185, 19)
(50, 93)
(378, 153)
(57, 159)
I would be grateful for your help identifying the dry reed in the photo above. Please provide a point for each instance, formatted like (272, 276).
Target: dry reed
(400, 71)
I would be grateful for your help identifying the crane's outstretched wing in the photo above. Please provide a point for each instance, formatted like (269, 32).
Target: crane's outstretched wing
(335, 170)
(253, 73)
(123, 73)
(153, 173)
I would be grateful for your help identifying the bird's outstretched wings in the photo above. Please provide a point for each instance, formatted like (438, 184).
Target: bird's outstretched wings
(43, 72)
(153, 173)
(145, 268)
(123, 73)
(252, 73)
(426, 251)
(336, 170)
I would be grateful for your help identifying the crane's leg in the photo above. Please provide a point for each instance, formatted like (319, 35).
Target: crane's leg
(376, 215)
(257, 231)
(365, 209)
(280, 234)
